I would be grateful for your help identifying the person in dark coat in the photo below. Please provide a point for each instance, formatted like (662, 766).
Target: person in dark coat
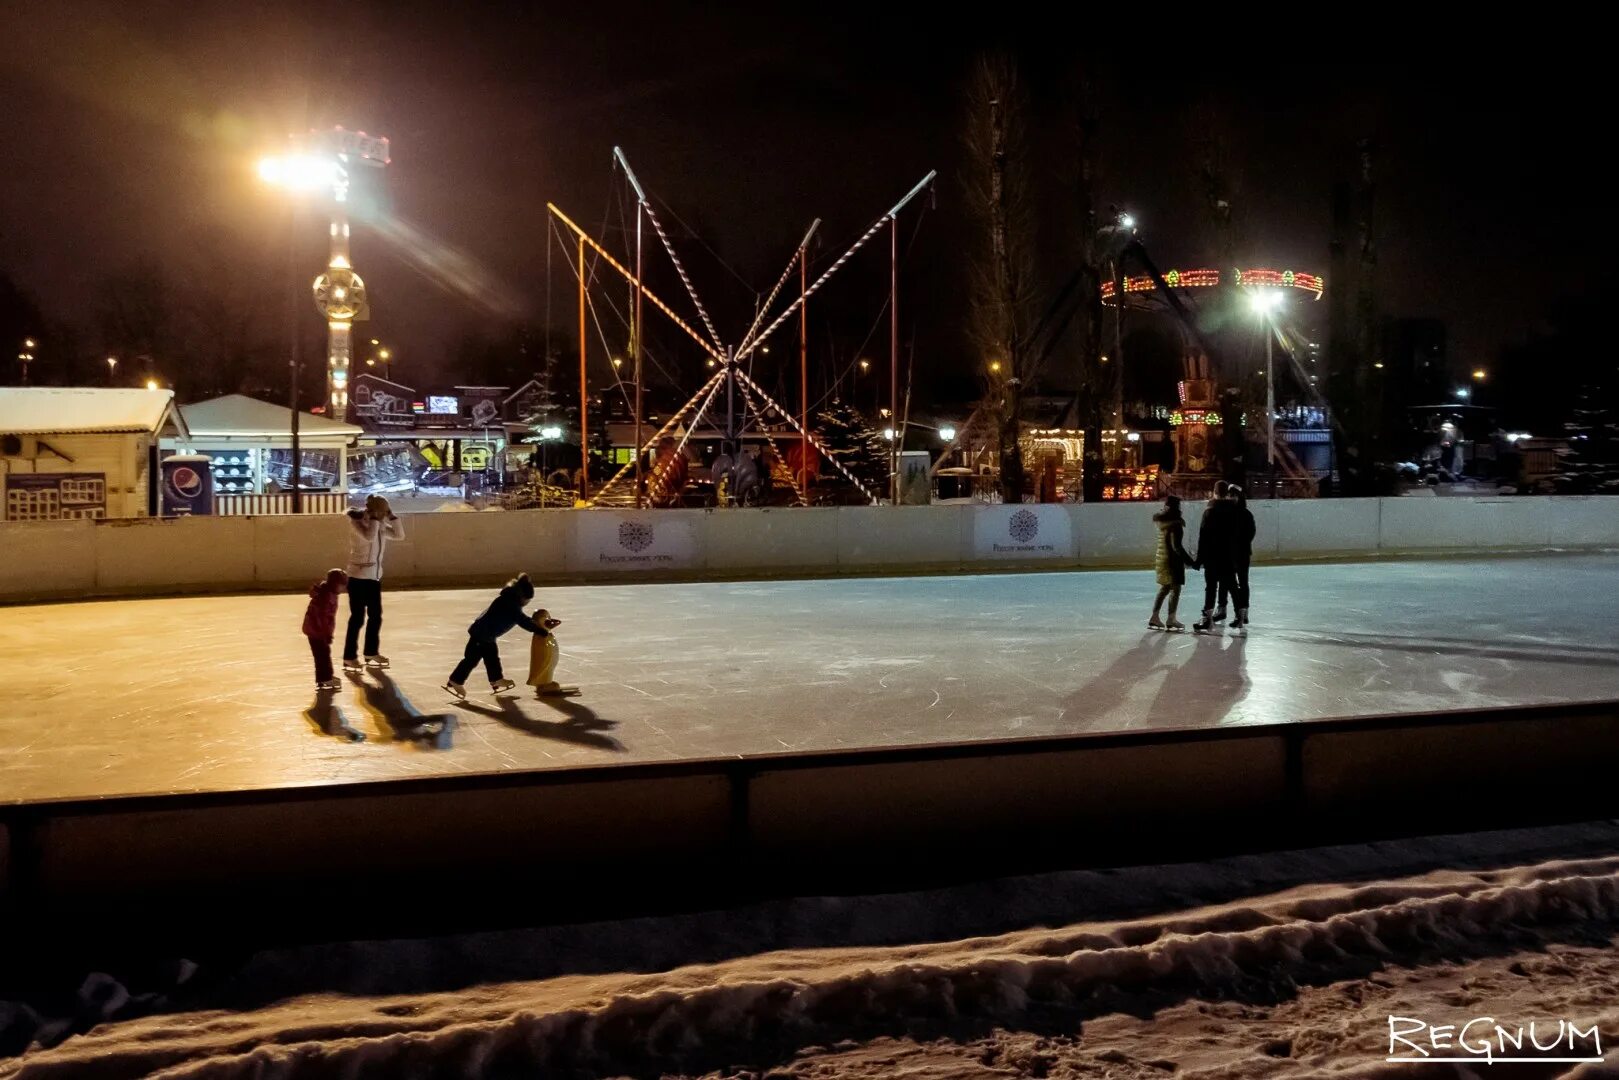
(483, 636)
(1169, 562)
(1242, 551)
(1214, 553)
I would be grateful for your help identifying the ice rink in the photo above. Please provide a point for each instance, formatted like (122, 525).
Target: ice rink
(202, 694)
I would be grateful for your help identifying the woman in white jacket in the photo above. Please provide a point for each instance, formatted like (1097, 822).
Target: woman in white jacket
(372, 528)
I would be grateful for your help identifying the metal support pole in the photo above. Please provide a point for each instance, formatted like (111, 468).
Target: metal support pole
(295, 364)
(635, 340)
(803, 373)
(731, 446)
(584, 391)
(893, 357)
(1118, 350)
(1270, 406)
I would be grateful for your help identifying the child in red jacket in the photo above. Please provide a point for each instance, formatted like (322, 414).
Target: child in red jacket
(320, 623)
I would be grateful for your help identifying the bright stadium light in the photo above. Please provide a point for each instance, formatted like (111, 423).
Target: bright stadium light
(1265, 301)
(550, 433)
(947, 433)
(300, 172)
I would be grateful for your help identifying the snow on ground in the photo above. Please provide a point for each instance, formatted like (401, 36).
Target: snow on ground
(1284, 965)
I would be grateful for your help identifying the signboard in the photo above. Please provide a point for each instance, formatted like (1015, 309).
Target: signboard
(370, 149)
(915, 485)
(645, 541)
(188, 485)
(1012, 532)
(55, 496)
(444, 406)
(381, 402)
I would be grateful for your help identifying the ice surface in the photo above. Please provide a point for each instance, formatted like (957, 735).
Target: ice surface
(216, 693)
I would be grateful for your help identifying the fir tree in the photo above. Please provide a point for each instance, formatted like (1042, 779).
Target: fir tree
(855, 445)
(1591, 465)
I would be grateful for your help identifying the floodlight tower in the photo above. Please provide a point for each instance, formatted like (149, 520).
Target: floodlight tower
(321, 161)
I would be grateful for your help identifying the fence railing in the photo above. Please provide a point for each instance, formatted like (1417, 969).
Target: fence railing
(315, 502)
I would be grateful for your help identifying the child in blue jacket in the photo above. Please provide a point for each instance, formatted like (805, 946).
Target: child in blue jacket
(483, 636)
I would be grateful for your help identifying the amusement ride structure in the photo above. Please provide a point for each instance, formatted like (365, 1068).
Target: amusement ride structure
(730, 388)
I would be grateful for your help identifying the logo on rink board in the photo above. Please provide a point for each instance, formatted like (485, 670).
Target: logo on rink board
(634, 535)
(610, 541)
(1023, 527)
(1022, 532)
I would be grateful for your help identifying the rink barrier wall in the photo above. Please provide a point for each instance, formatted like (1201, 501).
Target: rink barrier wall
(72, 559)
(603, 841)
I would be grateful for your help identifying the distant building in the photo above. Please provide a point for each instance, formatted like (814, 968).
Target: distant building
(70, 452)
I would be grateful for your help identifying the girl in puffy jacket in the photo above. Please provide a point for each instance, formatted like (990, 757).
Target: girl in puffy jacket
(320, 624)
(1169, 562)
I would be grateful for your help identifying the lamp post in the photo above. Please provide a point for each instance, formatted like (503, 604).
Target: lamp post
(112, 370)
(321, 163)
(1264, 303)
(25, 356)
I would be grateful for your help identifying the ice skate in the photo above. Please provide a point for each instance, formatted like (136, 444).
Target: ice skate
(456, 690)
(1219, 615)
(1155, 623)
(1175, 626)
(352, 665)
(500, 686)
(1241, 622)
(376, 660)
(1205, 625)
(328, 684)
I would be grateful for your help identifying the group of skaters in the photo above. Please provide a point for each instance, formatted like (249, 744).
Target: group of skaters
(1225, 546)
(372, 529)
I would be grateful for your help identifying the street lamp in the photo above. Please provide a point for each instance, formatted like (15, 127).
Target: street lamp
(1265, 302)
(1463, 393)
(947, 433)
(112, 369)
(1479, 374)
(26, 356)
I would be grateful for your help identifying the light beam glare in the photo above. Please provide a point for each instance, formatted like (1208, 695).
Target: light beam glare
(450, 269)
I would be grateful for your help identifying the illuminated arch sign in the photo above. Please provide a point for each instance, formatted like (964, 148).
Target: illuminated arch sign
(1204, 278)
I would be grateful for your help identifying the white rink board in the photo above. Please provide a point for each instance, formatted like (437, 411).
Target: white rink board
(611, 541)
(1009, 533)
(44, 561)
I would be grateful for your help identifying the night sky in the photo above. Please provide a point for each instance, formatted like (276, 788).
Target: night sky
(129, 132)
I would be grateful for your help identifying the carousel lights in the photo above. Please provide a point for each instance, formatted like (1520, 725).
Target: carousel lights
(1194, 416)
(1203, 278)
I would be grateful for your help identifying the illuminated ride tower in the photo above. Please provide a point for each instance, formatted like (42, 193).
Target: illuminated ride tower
(322, 160)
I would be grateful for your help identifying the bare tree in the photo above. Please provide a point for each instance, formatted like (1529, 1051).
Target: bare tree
(1003, 295)
(1093, 384)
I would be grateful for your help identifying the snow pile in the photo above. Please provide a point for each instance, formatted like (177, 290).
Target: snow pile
(772, 1006)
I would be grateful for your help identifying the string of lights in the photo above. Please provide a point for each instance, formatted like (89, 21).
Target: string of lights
(770, 440)
(711, 387)
(633, 280)
(691, 290)
(813, 441)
